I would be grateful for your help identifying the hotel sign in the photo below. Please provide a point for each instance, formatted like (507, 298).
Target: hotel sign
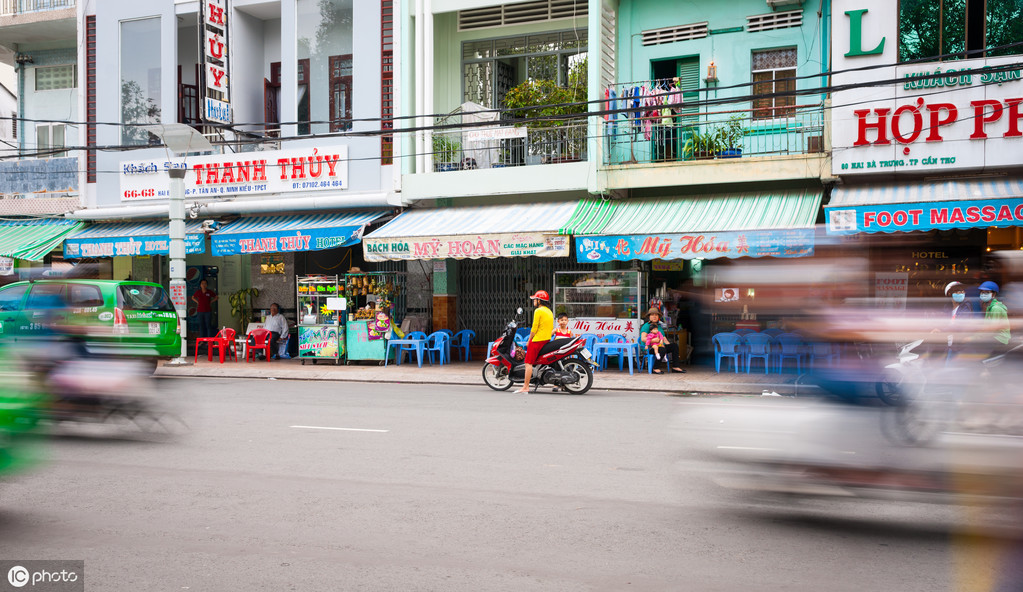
(214, 51)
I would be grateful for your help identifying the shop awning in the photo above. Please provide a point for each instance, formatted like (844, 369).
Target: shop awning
(473, 232)
(767, 224)
(33, 239)
(131, 239)
(941, 205)
(280, 234)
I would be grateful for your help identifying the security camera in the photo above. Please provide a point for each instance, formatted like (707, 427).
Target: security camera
(193, 214)
(209, 225)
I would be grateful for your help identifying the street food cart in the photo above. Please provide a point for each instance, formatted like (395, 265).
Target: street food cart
(601, 302)
(366, 330)
(321, 318)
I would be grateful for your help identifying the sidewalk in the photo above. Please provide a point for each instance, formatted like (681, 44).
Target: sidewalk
(697, 379)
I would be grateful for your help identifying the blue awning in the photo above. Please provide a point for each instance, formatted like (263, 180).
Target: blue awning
(130, 239)
(281, 234)
(943, 205)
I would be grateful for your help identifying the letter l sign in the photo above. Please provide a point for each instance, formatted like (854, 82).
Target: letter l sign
(856, 35)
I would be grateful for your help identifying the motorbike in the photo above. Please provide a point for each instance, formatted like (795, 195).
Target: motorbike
(563, 363)
(78, 388)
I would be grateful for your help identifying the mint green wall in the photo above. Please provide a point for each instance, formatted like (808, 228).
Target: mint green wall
(731, 52)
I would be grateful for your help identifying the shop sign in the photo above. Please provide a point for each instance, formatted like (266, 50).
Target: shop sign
(319, 342)
(677, 265)
(495, 133)
(890, 290)
(797, 242)
(944, 215)
(923, 117)
(475, 246)
(240, 174)
(313, 239)
(215, 54)
(601, 326)
(78, 248)
(6, 266)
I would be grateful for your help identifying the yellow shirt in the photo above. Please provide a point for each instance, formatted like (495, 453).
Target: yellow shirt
(543, 323)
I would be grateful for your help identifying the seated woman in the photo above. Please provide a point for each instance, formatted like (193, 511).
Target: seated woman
(670, 350)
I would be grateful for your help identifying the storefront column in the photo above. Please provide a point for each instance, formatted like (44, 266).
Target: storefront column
(445, 291)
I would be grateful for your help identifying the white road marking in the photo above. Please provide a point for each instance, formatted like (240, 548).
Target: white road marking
(339, 429)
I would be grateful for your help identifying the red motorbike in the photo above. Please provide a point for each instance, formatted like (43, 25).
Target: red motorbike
(563, 363)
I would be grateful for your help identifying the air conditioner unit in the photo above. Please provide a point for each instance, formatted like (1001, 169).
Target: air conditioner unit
(784, 4)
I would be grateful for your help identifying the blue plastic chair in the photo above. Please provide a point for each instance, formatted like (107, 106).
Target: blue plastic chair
(772, 332)
(743, 332)
(790, 345)
(758, 345)
(450, 335)
(621, 354)
(409, 349)
(438, 343)
(822, 351)
(727, 346)
(461, 341)
(521, 335)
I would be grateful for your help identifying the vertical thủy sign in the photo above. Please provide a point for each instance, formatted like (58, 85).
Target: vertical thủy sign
(214, 50)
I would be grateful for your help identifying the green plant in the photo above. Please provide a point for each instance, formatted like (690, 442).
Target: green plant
(241, 305)
(701, 144)
(545, 99)
(446, 148)
(731, 133)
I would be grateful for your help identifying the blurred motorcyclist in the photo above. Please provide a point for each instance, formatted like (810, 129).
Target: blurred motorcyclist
(961, 309)
(996, 316)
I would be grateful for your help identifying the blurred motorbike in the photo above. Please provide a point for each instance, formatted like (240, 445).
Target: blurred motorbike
(81, 388)
(563, 363)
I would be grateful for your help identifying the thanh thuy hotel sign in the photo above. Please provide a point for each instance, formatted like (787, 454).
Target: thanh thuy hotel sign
(214, 81)
(921, 117)
(240, 174)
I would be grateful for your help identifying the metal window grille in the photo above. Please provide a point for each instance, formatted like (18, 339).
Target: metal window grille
(523, 12)
(774, 20)
(675, 34)
(386, 80)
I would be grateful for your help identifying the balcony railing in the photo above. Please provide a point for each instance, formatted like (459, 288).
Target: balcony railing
(653, 135)
(488, 143)
(13, 7)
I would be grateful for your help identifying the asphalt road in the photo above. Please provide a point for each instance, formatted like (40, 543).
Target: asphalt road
(439, 488)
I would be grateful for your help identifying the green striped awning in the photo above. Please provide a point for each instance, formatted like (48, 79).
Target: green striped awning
(703, 213)
(33, 239)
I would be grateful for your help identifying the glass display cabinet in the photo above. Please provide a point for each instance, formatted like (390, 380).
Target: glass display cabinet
(601, 302)
(321, 318)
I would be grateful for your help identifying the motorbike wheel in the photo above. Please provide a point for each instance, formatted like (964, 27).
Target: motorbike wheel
(582, 369)
(496, 377)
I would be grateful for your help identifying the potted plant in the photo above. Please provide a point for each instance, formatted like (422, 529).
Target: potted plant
(554, 113)
(730, 137)
(446, 153)
(241, 306)
(701, 145)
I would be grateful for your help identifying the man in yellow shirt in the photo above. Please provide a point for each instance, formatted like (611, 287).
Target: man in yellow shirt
(543, 325)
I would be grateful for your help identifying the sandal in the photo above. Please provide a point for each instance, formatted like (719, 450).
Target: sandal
(658, 371)
(678, 370)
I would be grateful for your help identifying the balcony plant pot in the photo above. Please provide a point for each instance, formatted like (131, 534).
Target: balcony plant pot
(730, 153)
(441, 167)
(446, 153)
(729, 137)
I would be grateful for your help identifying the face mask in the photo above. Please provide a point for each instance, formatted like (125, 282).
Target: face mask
(986, 296)
(958, 297)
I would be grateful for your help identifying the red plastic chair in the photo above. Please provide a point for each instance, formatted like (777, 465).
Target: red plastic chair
(258, 339)
(223, 342)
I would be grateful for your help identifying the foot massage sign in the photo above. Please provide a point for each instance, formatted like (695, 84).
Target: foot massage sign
(903, 217)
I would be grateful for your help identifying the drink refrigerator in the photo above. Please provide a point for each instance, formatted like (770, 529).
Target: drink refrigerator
(321, 318)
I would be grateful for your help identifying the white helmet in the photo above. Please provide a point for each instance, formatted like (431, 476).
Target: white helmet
(953, 286)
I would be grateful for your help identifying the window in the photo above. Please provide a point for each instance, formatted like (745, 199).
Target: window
(143, 297)
(10, 298)
(84, 296)
(957, 29)
(140, 79)
(56, 77)
(774, 72)
(46, 296)
(490, 68)
(325, 65)
(340, 93)
(50, 137)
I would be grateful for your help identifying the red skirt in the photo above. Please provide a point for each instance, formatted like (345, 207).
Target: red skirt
(533, 351)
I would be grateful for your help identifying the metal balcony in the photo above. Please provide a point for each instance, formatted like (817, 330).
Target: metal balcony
(16, 7)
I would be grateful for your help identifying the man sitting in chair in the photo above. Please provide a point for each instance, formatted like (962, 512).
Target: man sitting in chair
(277, 325)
